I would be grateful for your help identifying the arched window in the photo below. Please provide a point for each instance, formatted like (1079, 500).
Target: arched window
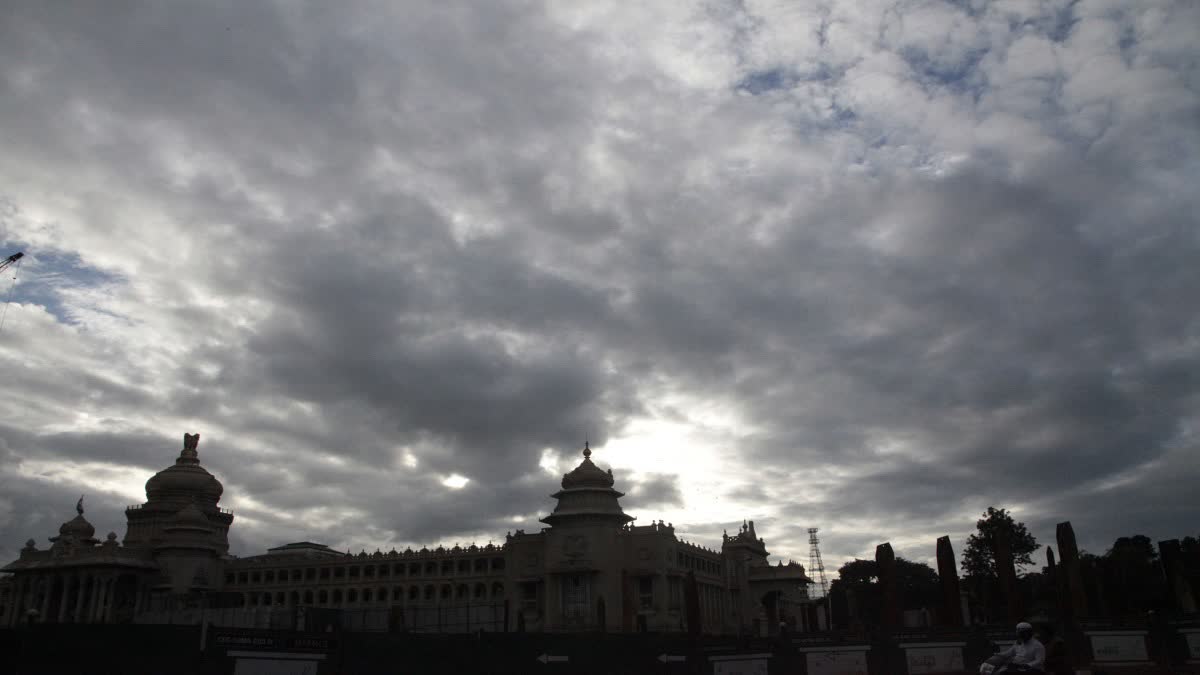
(497, 590)
(308, 597)
(351, 595)
(481, 564)
(480, 591)
(337, 596)
(266, 599)
(461, 593)
(464, 566)
(323, 597)
(279, 598)
(497, 564)
(430, 568)
(446, 592)
(414, 593)
(381, 595)
(397, 594)
(429, 592)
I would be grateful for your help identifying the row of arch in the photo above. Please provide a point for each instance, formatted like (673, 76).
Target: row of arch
(462, 566)
(429, 593)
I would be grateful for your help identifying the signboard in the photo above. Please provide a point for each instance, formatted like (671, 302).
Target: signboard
(934, 658)
(297, 643)
(1112, 647)
(837, 662)
(275, 667)
(740, 664)
(1193, 644)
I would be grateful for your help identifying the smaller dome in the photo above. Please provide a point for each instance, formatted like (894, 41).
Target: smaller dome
(77, 527)
(587, 474)
(189, 518)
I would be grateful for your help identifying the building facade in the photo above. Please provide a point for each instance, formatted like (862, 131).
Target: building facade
(591, 568)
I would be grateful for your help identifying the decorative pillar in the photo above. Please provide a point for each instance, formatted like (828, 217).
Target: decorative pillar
(66, 594)
(951, 613)
(47, 590)
(1006, 570)
(1171, 554)
(109, 596)
(885, 559)
(97, 599)
(1072, 575)
(76, 614)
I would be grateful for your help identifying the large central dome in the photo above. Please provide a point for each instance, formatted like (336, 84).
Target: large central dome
(587, 496)
(185, 481)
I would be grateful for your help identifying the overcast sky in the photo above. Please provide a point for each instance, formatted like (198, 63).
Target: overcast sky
(868, 267)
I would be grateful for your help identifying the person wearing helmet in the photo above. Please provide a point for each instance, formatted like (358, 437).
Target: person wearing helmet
(1026, 655)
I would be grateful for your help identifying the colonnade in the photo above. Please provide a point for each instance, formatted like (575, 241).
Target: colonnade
(68, 597)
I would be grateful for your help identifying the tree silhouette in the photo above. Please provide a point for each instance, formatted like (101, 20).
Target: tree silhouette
(916, 587)
(979, 559)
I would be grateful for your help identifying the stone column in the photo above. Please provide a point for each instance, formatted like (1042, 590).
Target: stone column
(951, 613)
(885, 559)
(66, 594)
(661, 603)
(1182, 597)
(109, 595)
(1006, 570)
(1072, 575)
(93, 598)
(76, 614)
(47, 590)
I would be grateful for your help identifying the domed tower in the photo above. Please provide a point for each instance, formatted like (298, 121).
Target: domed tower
(75, 533)
(170, 491)
(587, 497)
(187, 553)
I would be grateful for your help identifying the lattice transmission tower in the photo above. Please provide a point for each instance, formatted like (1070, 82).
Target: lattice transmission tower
(815, 566)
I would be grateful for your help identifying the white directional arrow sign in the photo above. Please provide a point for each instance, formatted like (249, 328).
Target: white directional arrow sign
(671, 658)
(548, 658)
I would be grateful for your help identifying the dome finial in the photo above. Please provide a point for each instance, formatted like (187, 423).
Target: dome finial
(79, 505)
(189, 455)
(587, 451)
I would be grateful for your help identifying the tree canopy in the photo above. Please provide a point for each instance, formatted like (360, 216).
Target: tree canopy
(979, 558)
(916, 587)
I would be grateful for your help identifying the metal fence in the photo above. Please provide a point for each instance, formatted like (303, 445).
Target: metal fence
(449, 618)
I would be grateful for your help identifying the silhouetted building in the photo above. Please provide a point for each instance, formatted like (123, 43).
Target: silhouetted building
(590, 569)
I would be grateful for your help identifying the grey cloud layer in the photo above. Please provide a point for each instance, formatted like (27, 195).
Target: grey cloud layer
(935, 257)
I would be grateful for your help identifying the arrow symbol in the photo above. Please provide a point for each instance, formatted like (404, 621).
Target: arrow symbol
(671, 658)
(548, 658)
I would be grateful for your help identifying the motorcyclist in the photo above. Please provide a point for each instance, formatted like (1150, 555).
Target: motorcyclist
(1026, 655)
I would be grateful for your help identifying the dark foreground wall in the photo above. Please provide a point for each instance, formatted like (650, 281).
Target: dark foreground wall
(155, 649)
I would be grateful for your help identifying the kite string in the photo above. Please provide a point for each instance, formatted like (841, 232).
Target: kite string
(8, 300)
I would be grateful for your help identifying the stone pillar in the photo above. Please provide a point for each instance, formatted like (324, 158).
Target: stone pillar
(77, 613)
(47, 590)
(691, 595)
(951, 613)
(628, 603)
(110, 596)
(660, 602)
(885, 559)
(1007, 572)
(94, 612)
(1072, 575)
(66, 594)
(1180, 589)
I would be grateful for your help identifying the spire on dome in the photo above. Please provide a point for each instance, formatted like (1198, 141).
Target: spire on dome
(79, 505)
(189, 455)
(587, 451)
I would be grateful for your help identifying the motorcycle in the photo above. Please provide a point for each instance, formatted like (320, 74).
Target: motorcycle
(995, 666)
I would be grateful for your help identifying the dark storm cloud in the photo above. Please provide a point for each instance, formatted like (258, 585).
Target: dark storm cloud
(364, 252)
